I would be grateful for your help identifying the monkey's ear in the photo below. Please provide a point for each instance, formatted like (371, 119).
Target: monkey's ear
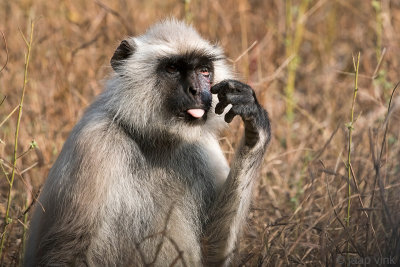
(124, 50)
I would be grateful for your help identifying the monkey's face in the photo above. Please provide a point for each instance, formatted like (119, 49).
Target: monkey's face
(163, 78)
(185, 82)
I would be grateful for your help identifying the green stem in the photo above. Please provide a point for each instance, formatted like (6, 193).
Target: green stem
(350, 128)
(292, 49)
(188, 13)
(379, 27)
(11, 182)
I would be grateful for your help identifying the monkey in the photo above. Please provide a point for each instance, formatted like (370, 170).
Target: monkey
(142, 179)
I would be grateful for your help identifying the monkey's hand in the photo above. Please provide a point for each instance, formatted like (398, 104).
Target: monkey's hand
(244, 103)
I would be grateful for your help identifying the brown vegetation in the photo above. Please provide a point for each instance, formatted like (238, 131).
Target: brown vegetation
(298, 56)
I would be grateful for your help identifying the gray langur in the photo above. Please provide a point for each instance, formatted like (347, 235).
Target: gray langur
(142, 180)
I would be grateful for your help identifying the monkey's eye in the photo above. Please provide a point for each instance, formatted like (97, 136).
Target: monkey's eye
(171, 68)
(205, 71)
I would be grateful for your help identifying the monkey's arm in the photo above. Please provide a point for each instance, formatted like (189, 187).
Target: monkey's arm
(229, 211)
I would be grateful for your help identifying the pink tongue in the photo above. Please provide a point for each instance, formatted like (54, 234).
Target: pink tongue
(197, 113)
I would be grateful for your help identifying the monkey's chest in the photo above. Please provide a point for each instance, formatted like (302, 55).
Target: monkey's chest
(189, 180)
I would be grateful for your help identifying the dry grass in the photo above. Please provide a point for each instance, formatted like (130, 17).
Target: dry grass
(299, 211)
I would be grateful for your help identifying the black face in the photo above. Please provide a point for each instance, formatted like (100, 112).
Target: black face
(187, 80)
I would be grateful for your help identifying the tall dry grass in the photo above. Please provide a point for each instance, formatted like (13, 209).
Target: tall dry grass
(297, 54)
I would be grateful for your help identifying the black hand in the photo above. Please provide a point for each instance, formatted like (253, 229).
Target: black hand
(244, 103)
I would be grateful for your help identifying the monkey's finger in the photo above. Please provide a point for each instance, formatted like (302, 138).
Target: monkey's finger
(219, 87)
(230, 115)
(247, 112)
(239, 99)
(219, 108)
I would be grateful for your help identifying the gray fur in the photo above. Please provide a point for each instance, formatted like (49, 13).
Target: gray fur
(132, 185)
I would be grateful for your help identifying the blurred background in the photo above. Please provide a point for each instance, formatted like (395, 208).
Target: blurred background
(300, 56)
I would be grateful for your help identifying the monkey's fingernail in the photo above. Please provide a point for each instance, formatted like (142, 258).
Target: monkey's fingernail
(196, 113)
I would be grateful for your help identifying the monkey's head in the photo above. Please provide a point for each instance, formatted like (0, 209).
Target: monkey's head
(163, 78)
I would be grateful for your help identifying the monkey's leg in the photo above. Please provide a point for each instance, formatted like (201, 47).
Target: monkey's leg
(229, 211)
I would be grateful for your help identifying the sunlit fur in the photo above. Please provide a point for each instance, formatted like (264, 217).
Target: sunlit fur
(132, 185)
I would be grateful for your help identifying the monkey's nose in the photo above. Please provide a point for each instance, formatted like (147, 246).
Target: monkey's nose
(193, 91)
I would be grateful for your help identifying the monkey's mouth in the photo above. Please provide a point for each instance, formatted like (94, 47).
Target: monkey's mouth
(196, 113)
